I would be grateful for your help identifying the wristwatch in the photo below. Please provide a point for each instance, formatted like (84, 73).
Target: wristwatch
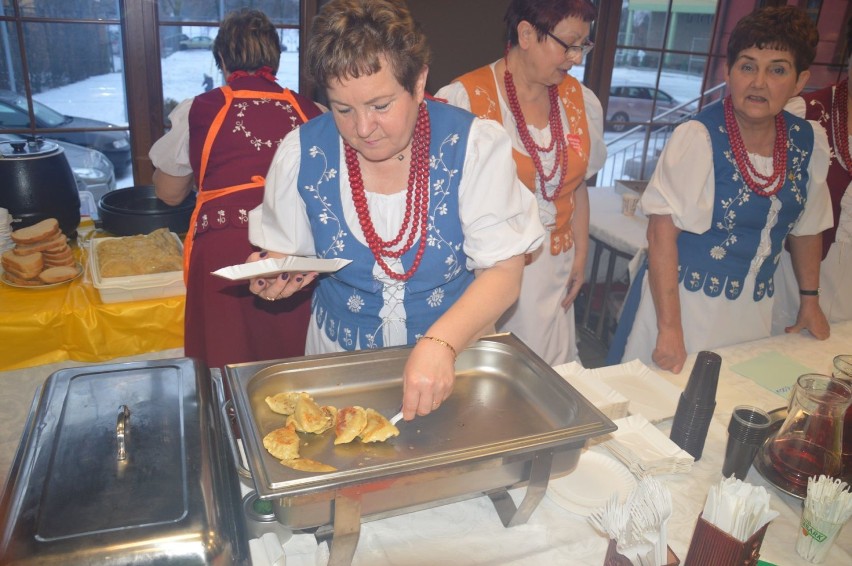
(810, 292)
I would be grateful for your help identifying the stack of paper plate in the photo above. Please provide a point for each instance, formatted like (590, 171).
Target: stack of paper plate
(591, 484)
(645, 450)
(6, 242)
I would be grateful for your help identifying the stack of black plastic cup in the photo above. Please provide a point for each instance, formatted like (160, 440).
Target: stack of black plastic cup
(696, 405)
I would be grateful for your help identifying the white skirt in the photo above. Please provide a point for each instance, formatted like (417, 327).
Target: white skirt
(537, 318)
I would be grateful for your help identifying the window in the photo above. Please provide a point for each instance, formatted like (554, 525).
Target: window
(87, 73)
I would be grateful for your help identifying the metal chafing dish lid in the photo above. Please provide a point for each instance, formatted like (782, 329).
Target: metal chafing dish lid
(118, 459)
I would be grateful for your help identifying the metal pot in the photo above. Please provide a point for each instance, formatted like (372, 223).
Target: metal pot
(137, 210)
(36, 182)
(124, 463)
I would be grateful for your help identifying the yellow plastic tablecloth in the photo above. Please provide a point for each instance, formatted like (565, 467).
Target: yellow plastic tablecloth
(70, 322)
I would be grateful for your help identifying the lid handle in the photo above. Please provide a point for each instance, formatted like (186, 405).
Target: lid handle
(121, 430)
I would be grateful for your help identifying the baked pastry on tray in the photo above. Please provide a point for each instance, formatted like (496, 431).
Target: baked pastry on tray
(283, 443)
(350, 422)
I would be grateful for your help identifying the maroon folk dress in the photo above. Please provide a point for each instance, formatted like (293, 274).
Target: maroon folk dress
(225, 323)
(818, 106)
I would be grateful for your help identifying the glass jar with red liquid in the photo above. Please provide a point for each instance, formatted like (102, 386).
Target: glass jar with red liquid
(843, 371)
(809, 442)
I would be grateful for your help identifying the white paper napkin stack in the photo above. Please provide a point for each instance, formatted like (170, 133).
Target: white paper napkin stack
(645, 450)
(738, 508)
(6, 242)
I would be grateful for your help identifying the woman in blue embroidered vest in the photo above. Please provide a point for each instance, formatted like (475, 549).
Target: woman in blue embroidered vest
(729, 187)
(556, 126)
(832, 107)
(420, 195)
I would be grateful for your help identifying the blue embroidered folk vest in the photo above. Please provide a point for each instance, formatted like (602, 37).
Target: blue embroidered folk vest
(347, 303)
(718, 260)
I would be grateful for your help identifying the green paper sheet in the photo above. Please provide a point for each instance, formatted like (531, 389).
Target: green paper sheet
(773, 371)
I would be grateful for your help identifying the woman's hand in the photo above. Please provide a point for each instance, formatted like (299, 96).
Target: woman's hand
(428, 378)
(670, 353)
(281, 286)
(810, 318)
(575, 283)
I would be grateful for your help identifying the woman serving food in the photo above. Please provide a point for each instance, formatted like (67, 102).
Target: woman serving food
(420, 195)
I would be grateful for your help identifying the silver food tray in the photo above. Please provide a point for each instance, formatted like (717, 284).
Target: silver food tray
(511, 421)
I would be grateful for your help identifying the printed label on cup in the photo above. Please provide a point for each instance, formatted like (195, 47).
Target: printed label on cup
(809, 530)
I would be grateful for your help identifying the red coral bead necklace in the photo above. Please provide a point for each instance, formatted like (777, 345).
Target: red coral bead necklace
(557, 135)
(416, 216)
(840, 123)
(768, 185)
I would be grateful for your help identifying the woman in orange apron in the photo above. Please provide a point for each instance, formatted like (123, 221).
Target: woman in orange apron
(222, 142)
(556, 126)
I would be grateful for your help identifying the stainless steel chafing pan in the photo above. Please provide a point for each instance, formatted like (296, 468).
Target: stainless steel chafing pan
(123, 464)
(511, 421)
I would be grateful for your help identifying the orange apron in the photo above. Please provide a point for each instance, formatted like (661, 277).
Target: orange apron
(483, 93)
(203, 197)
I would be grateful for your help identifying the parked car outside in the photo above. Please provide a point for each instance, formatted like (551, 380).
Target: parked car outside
(197, 42)
(92, 170)
(115, 145)
(633, 103)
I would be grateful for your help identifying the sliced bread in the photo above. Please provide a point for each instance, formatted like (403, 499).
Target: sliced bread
(58, 274)
(57, 242)
(24, 266)
(15, 280)
(37, 232)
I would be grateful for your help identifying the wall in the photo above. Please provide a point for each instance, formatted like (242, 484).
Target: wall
(463, 35)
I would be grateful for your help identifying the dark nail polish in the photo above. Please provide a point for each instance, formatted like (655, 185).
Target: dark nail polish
(285, 276)
(264, 254)
(261, 283)
(299, 279)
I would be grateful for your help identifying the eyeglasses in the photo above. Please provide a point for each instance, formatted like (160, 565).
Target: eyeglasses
(572, 50)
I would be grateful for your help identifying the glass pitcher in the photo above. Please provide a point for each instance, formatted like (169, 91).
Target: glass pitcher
(843, 372)
(809, 442)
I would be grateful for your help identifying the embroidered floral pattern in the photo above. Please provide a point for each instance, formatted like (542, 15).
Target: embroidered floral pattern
(727, 225)
(436, 298)
(491, 112)
(239, 125)
(442, 177)
(355, 303)
(443, 184)
(327, 215)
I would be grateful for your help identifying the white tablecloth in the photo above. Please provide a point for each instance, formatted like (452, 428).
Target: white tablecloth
(609, 225)
(626, 234)
(470, 532)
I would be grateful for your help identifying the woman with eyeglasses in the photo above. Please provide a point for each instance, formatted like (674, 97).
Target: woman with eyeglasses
(556, 126)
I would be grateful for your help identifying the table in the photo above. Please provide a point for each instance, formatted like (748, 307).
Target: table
(470, 532)
(617, 239)
(70, 322)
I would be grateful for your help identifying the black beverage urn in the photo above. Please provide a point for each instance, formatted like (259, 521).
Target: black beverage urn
(36, 182)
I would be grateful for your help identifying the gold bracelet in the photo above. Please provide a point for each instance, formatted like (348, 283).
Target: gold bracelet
(442, 342)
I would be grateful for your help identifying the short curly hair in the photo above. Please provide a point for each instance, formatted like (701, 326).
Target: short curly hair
(247, 41)
(545, 15)
(785, 28)
(350, 37)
